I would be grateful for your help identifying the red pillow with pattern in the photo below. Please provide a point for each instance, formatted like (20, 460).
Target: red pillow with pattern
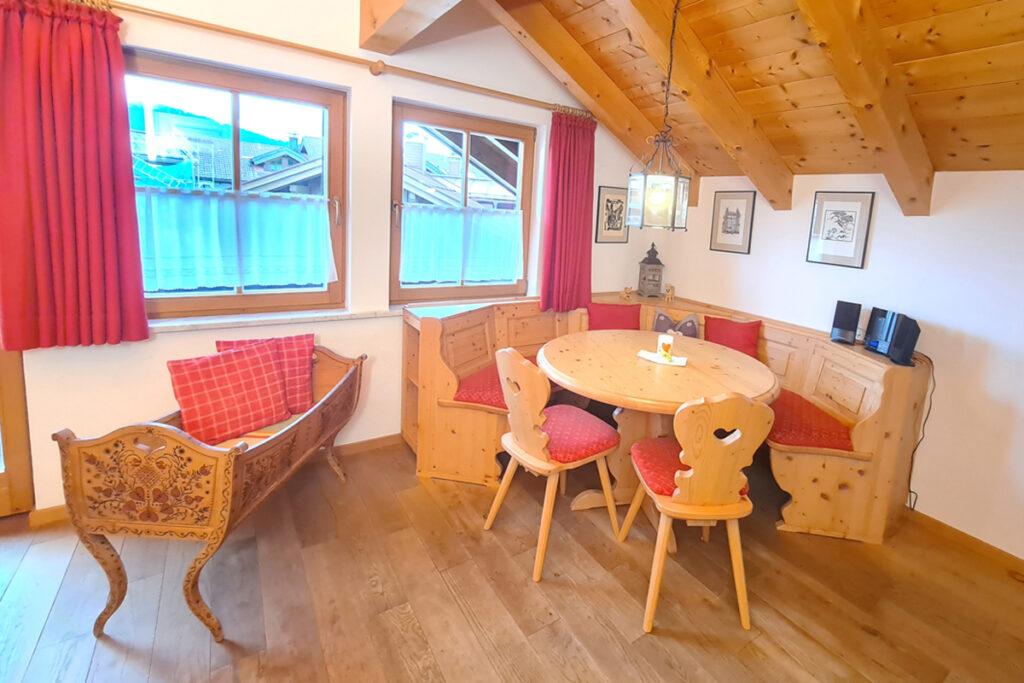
(229, 393)
(295, 358)
(613, 316)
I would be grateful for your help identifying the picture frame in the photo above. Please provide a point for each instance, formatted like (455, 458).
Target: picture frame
(840, 224)
(732, 221)
(610, 225)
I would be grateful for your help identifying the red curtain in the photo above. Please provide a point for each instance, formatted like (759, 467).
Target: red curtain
(69, 242)
(568, 214)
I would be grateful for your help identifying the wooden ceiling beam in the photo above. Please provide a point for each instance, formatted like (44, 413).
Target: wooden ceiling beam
(387, 25)
(848, 34)
(708, 94)
(547, 40)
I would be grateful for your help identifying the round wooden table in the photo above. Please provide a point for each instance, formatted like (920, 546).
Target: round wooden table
(603, 365)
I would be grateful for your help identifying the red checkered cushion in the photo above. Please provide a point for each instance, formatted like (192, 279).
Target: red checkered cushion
(229, 393)
(575, 434)
(798, 422)
(295, 358)
(484, 387)
(657, 461)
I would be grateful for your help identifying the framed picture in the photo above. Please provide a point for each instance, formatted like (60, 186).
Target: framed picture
(732, 220)
(611, 215)
(839, 228)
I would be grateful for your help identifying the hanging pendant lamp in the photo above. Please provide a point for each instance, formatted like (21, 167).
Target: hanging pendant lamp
(657, 196)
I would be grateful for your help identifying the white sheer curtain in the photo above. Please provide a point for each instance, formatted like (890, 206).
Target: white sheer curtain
(193, 241)
(453, 245)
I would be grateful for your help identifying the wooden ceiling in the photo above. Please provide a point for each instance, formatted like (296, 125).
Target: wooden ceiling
(773, 88)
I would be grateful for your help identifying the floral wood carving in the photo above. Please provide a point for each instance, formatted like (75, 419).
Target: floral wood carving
(148, 482)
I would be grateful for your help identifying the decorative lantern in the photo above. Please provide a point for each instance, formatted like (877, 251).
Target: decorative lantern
(650, 274)
(658, 195)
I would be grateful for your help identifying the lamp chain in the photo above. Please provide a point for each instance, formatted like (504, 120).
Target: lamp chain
(671, 61)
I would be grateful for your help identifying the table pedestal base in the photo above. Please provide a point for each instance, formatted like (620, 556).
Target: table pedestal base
(634, 425)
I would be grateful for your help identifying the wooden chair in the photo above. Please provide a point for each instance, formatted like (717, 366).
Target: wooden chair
(699, 478)
(547, 441)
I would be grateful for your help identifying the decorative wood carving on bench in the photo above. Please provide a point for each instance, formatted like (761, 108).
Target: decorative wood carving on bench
(155, 480)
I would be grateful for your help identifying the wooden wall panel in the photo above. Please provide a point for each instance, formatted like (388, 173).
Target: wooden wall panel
(813, 92)
(998, 99)
(781, 34)
(1005, 157)
(891, 12)
(710, 17)
(593, 23)
(796, 65)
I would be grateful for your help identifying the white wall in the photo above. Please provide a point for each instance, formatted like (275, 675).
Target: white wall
(93, 390)
(958, 272)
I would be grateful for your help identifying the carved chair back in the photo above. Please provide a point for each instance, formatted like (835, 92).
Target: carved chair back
(718, 438)
(526, 390)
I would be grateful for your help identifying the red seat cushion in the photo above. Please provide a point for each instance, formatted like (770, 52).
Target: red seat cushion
(229, 393)
(613, 316)
(484, 387)
(575, 434)
(295, 362)
(798, 422)
(735, 335)
(657, 461)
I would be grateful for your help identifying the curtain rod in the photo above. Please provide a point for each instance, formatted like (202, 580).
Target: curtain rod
(376, 67)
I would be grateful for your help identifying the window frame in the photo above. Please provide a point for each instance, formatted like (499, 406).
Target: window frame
(527, 135)
(240, 81)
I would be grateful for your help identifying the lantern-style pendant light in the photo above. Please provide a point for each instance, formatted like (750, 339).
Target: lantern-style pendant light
(657, 196)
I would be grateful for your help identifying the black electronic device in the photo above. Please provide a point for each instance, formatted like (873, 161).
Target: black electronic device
(904, 338)
(877, 331)
(844, 322)
(893, 335)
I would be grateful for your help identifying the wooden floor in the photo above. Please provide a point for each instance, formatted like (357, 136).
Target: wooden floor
(389, 578)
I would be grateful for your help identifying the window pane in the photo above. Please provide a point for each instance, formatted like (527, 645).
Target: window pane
(281, 145)
(433, 165)
(180, 134)
(494, 172)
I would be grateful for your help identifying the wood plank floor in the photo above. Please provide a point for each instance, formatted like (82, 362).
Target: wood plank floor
(386, 578)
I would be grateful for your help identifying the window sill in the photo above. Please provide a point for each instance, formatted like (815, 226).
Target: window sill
(419, 306)
(226, 322)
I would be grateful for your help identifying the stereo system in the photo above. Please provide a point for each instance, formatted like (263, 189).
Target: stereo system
(890, 334)
(844, 323)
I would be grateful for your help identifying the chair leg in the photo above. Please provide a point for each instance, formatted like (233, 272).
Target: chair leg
(634, 507)
(609, 499)
(561, 482)
(657, 569)
(545, 525)
(736, 553)
(705, 533)
(499, 498)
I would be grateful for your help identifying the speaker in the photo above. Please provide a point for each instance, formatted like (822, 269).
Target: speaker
(844, 322)
(904, 338)
(876, 338)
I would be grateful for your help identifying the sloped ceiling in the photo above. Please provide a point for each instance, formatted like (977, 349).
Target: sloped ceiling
(773, 88)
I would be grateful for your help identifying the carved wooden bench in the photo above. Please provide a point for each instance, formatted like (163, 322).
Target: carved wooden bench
(856, 492)
(153, 479)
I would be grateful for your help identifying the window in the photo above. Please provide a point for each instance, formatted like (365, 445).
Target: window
(461, 200)
(238, 183)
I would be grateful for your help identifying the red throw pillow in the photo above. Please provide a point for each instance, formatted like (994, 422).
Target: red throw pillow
(229, 393)
(735, 335)
(295, 358)
(613, 316)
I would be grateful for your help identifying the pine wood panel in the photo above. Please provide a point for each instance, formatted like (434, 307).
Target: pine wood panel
(772, 36)
(795, 65)
(593, 23)
(1005, 157)
(715, 16)
(966, 29)
(820, 609)
(964, 69)
(564, 8)
(984, 132)
(812, 92)
(998, 99)
(892, 12)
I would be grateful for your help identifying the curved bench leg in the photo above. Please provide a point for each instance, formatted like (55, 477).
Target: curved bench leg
(191, 590)
(335, 463)
(100, 548)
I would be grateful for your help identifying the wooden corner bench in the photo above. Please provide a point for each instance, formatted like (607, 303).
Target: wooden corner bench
(855, 493)
(154, 480)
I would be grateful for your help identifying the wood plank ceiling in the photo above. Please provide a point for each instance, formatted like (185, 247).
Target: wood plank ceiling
(772, 88)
